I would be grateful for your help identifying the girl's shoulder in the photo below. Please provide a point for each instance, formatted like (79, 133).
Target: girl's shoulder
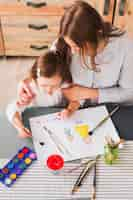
(33, 85)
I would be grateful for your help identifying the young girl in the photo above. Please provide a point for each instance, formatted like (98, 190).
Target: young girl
(48, 76)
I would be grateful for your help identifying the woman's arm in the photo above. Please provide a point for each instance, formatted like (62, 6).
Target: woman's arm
(78, 92)
(73, 106)
(123, 93)
(25, 93)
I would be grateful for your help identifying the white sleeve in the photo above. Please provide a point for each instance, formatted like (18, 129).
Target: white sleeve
(53, 46)
(11, 109)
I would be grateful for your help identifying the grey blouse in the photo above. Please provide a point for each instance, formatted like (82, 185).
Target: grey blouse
(114, 78)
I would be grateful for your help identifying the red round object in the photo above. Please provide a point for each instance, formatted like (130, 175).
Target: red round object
(25, 150)
(55, 162)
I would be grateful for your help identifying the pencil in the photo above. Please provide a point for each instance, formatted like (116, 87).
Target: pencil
(35, 139)
(57, 142)
(103, 120)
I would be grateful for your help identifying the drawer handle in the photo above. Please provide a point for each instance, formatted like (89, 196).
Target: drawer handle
(65, 7)
(122, 6)
(38, 47)
(38, 27)
(106, 7)
(36, 5)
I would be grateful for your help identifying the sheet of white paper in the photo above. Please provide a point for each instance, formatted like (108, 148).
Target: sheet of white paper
(74, 145)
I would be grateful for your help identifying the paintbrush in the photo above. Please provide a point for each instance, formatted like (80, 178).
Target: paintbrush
(94, 184)
(82, 163)
(103, 120)
(83, 174)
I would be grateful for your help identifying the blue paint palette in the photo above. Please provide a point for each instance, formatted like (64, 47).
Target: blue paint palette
(16, 166)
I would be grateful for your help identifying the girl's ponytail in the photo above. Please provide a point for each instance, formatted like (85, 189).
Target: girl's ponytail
(65, 55)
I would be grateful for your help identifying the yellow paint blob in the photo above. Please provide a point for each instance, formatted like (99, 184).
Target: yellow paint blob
(82, 130)
(13, 176)
(27, 161)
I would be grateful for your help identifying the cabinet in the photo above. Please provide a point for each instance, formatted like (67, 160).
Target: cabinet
(29, 35)
(30, 26)
(124, 16)
(1, 42)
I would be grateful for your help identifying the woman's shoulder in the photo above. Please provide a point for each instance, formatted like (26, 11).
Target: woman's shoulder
(66, 85)
(123, 42)
(119, 46)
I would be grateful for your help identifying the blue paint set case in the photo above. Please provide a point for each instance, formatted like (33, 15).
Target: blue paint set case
(16, 166)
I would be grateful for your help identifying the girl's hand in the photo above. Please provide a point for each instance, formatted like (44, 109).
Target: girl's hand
(25, 94)
(24, 133)
(64, 114)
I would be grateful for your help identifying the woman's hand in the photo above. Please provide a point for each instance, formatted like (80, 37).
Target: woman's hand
(77, 92)
(25, 94)
(24, 133)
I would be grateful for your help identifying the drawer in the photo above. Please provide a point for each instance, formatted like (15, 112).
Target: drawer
(124, 16)
(36, 7)
(21, 9)
(30, 27)
(29, 48)
(52, 7)
(42, 3)
(29, 35)
(34, 3)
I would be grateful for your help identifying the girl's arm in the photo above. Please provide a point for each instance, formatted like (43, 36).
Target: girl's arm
(13, 113)
(71, 108)
(18, 124)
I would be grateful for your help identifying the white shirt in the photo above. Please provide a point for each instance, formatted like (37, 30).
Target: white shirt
(115, 79)
(42, 98)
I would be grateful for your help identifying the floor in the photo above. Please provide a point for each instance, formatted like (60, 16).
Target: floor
(12, 70)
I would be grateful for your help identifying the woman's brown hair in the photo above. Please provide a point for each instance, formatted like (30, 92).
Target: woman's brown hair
(82, 23)
(49, 64)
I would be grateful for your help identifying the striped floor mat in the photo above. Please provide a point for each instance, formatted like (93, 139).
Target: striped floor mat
(116, 182)
(112, 182)
(39, 184)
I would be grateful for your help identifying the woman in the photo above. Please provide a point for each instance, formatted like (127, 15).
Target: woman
(100, 58)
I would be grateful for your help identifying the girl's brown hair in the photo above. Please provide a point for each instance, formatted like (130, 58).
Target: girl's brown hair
(49, 64)
(82, 24)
